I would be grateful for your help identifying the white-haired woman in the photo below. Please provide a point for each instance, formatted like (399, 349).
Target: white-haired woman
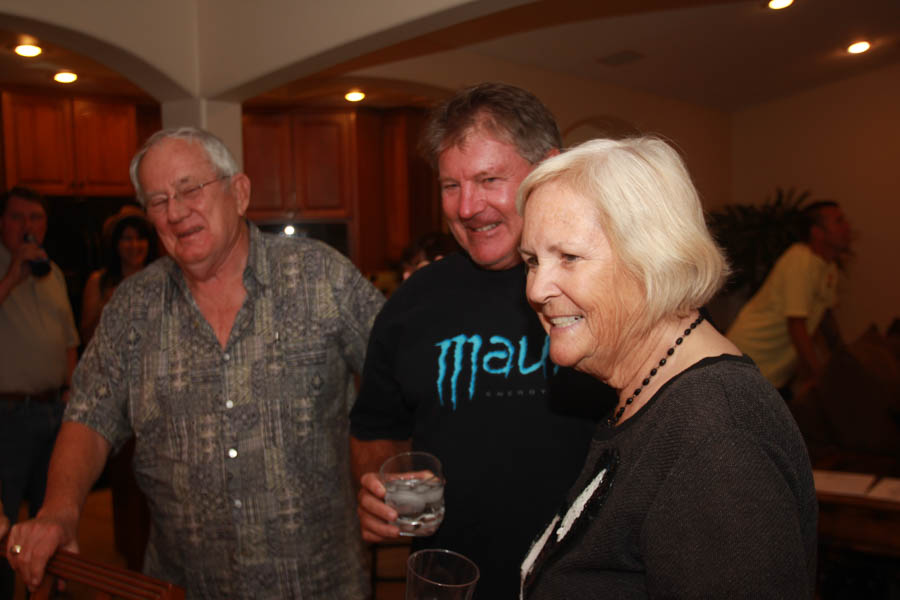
(699, 483)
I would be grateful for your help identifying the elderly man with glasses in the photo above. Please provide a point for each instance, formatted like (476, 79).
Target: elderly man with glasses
(231, 362)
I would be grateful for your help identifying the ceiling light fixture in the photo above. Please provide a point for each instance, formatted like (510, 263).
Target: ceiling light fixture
(354, 96)
(28, 50)
(65, 77)
(779, 4)
(858, 47)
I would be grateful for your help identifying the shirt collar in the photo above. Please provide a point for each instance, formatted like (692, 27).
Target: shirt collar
(257, 271)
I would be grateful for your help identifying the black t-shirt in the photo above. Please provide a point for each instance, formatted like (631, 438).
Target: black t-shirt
(458, 361)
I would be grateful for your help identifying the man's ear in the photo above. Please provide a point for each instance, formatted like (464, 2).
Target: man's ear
(551, 152)
(240, 188)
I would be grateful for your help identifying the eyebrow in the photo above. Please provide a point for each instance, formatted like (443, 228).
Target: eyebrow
(492, 172)
(184, 180)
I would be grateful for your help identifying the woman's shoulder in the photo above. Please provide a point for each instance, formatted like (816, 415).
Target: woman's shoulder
(92, 285)
(727, 395)
(723, 383)
(151, 276)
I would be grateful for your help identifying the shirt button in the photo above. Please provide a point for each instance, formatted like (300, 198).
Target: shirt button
(229, 404)
(238, 503)
(232, 453)
(227, 356)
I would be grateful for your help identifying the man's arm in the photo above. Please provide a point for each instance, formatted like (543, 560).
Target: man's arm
(91, 300)
(18, 271)
(71, 361)
(804, 346)
(8, 283)
(78, 459)
(831, 332)
(366, 457)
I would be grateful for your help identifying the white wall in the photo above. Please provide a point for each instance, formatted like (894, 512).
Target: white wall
(841, 141)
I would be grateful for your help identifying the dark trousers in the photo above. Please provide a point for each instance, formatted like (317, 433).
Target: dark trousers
(27, 433)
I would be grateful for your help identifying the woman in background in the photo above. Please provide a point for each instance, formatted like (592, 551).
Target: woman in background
(131, 248)
(698, 485)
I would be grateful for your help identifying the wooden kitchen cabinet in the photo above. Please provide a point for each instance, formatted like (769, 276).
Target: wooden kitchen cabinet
(68, 146)
(105, 141)
(356, 167)
(268, 160)
(301, 165)
(37, 143)
(324, 164)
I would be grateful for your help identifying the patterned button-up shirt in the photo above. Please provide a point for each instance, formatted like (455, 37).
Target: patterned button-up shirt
(243, 452)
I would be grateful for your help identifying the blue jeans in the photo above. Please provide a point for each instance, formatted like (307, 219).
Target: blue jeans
(27, 433)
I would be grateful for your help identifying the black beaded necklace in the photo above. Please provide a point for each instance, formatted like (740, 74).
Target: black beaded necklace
(662, 362)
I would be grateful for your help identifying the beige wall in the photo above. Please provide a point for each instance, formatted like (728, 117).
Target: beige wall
(703, 135)
(841, 141)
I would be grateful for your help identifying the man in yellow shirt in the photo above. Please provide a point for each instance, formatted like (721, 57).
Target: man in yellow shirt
(776, 326)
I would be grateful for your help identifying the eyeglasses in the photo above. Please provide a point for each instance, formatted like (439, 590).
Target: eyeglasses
(158, 202)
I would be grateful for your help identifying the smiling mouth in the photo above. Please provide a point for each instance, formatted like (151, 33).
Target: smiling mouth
(484, 228)
(188, 233)
(563, 321)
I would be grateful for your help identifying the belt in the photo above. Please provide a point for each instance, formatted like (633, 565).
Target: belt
(47, 397)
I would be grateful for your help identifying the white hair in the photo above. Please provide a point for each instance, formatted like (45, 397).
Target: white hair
(651, 214)
(217, 152)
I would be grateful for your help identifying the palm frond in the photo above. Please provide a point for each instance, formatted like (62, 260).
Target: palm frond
(755, 235)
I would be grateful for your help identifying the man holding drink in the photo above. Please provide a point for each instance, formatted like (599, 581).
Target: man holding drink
(38, 350)
(457, 362)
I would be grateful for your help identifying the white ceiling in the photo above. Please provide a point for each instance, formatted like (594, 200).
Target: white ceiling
(721, 55)
(724, 56)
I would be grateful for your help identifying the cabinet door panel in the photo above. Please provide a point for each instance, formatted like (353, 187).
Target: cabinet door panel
(323, 165)
(38, 143)
(105, 141)
(267, 161)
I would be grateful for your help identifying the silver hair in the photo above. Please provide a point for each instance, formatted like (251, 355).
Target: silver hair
(217, 152)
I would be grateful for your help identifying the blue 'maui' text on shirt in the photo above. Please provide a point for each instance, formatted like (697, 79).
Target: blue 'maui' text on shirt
(499, 359)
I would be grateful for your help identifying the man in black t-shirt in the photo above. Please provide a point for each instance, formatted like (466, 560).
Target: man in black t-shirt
(458, 363)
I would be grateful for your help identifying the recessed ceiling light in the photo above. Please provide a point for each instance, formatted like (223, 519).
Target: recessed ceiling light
(28, 50)
(65, 77)
(779, 4)
(354, 96)
(858, 47)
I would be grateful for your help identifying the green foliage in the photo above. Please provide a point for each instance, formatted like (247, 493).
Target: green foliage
(755, 235)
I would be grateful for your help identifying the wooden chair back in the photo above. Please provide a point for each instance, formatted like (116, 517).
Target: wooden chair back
(104, 581)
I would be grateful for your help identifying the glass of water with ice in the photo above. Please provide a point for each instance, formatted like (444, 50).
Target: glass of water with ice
(414, 484)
